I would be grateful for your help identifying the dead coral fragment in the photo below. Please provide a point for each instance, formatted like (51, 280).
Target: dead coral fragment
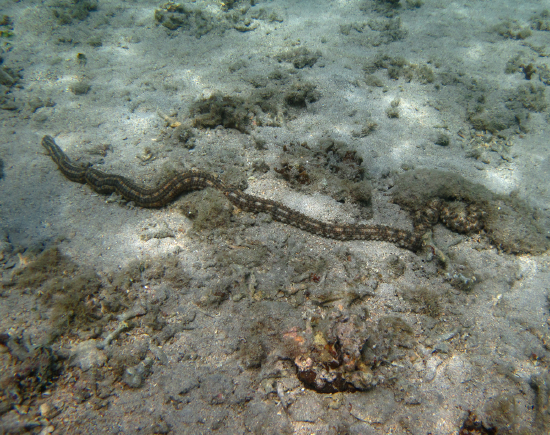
(473, 426)
(335, 363)
(326, 379)
(134, 376)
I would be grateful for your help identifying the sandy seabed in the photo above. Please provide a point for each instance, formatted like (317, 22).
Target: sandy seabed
(199, 318)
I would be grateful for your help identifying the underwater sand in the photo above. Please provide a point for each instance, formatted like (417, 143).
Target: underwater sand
(197, 318)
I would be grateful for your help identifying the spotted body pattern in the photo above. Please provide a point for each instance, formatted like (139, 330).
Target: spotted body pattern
(196, 180)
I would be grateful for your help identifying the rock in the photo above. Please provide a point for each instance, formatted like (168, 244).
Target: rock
(134, 376)
(361, 429)
(372, 407)
(431, 368)
(266, 419)
(86, 355)
(216, 389)
(307, 408)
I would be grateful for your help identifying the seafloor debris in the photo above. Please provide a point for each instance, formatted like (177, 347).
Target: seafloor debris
(331, 376)
(134, 376)
(342, 354)
(334, 362)
(31, 370)
(472, 426)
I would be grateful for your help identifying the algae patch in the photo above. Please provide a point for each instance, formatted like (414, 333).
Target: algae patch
(69, 291)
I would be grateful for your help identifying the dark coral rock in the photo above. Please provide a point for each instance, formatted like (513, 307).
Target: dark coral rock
(337, 365)
(472, 426)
